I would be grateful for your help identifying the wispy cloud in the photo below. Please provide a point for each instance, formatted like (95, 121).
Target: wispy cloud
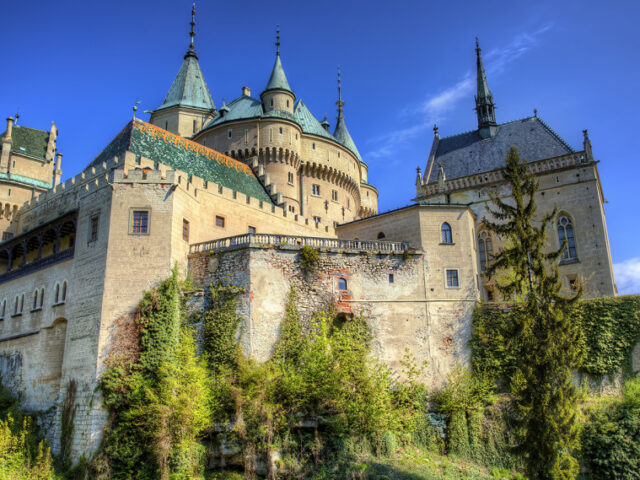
(628, 276)
(435, 107)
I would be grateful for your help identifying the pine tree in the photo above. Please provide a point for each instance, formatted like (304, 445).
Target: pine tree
(546, 339)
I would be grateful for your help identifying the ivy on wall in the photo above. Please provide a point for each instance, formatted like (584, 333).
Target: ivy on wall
(610, 330)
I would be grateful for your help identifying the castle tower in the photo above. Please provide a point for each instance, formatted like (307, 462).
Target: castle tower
(341, 133)
(188, 105)
(485, 108)
(277, 95)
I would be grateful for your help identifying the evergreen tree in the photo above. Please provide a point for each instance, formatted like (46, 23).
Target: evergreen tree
(546, 337)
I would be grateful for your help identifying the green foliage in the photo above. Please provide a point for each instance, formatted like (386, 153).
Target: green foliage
(611, 438)
(464, 391)
(309, 258)
(159, 403)
(546, 340)
(22, 455)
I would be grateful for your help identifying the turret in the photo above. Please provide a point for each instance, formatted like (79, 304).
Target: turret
(278, 95)
(188, 105)
(485, 108)
(341, 133)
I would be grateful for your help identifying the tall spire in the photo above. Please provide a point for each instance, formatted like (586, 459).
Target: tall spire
(341, 133)
(277, 80)
(485, 108)
(189, 88)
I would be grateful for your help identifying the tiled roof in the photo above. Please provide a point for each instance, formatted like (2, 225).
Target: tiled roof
(277, 80)
(241, 108)
(189, 87)
(159, 145)
(32, 182)
(308, 122)
(29, 141)
(468, 153)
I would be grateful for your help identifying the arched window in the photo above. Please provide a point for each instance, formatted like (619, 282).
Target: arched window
(22, 303)
(35, 300)
(41, 297)
(485, 250)
(381, 235)
(15, 310)
(565, 230)
(342, 283)
(64, 291)
(3, 310)
(57, 296)
(446, 233)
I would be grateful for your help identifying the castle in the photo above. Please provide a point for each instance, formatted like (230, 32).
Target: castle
(232, 195)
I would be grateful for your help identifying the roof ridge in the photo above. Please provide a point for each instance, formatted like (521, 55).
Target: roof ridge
(553, 132)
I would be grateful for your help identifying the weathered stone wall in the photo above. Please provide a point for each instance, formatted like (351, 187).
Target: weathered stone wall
(398, 312)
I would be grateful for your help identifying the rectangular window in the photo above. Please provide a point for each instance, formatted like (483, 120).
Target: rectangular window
(185, 229)
(140, 221)
(391, 278)
(7, 236)
(93, 228)
(246, 136)
(229, 133)
(334, 195)
(348, 203)
(252, 229)
(452, 279)
(219, 221)
(194, 126)
(280, 130)
(290, 178)
(315, 190)
(316, 219)
(292, 209)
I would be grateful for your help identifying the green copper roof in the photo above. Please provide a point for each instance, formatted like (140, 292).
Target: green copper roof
(161, 146)
(189, 88)
(342, 135)
(278, 80)
(308, 122)
(29, 141)
(26, 180)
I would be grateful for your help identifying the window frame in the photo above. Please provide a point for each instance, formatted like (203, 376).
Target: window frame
(446, 234)
(223, 221)
(251, 230)
(132, 218)
(485, 254)
(334, 196)
(315, 189)
(572, 245)
(446, 278)
(185, 230)
(343, 282)
(94, 221)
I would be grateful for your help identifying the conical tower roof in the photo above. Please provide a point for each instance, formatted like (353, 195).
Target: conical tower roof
(189, 88)
(278, 80)
(341, 133)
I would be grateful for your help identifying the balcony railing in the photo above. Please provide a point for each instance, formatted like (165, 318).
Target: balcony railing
(37, 265)
(284, 241)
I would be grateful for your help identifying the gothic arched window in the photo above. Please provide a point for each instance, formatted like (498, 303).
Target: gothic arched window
(57, 296)
(446, 233)
(565, 230)
(35, 299)
(342, 283)
(485, 250)
(64, 291)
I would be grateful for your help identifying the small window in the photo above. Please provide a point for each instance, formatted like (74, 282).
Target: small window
(185, 229)
(140, 222)
(35, 300)
(315, 190)
(338, 154)
(229, 133)
(490, 296)
(57, 296)
(452, 278)
(334, 195)
(446, 233)
(290, 178)
(22, 303)
(573, 282)
(313, 146)
(219, 221)
(317, 219)
(292, 209)
(64, 292)
(281, 129)
(381, 235)
(252, 229)
(287, 103)
(246, 136)
(166, 125)
(93, 228)
(41, 297)
(272, 102)
(565, 231)
(391, 278)
(16, 306)
(9, 190)
(342, 283)
(3, 309)
(348, 203)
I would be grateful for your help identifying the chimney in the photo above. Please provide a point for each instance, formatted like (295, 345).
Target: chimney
(57, 173)
(246, 91)
(9, 127)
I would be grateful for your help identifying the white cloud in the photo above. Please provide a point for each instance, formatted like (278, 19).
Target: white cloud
(435, 107)
(628, 276)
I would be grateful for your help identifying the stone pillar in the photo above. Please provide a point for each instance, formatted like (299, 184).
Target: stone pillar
(57, 173)
(6, 147)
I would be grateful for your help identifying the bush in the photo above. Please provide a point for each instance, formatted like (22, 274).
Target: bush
(611, 437)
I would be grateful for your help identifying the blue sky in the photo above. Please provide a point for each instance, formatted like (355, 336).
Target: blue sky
(406, 65)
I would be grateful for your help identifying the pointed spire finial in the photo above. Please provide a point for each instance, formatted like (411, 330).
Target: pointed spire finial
(477, 44)
(535, 112)
(435, 129)
(485, 108)
(278, 40)
(17, 115)
(340, 102)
